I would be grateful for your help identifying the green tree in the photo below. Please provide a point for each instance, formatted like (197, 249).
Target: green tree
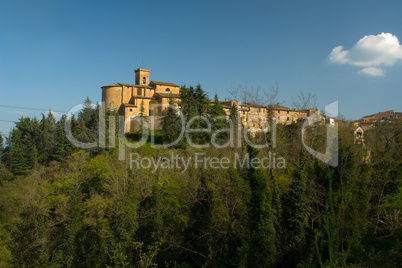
(171, 123)
(47, 141)
(18, 154)
(197, 238)
(218, 123)
(262, 248)
(234, 117)
(276, 202)
(202, 100)
(32, 158)
(298, 206)
(142, 118)
(1, 148)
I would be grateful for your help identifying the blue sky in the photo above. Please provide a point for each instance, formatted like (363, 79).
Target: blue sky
(55, 53)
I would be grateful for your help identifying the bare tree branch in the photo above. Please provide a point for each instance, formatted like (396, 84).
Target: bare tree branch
(256, 94)
(305, 101)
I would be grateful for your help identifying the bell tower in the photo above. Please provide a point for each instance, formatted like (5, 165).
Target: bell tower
(142, 76)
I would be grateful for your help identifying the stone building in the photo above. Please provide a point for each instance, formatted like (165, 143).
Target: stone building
(153, 97)
(128, 99)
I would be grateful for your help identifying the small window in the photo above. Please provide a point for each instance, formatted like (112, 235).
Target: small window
(288, 112)
(288, 119)
(144, 80)
(139, 91)
(131, 110)
(167, 89)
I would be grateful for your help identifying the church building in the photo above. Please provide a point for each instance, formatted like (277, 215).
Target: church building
(128, 99)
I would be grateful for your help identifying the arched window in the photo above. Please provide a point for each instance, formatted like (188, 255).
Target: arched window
(167, 89)
(144, 79)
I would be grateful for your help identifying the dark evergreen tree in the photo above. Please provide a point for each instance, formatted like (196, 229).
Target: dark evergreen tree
(216, 108)
(217, 111)
(262, 248)
(32, 158)
(150, 226)
(18, 154)
(234, 117)
(63, 146)
(47, 141)
(188, 104)
(298, 212)
(87, 112)
(202, 100)
(197, 238)
(171, 124)
(1, 148)
(276, 202)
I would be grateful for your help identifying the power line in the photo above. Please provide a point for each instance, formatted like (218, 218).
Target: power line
(1, 120)
(29, 108)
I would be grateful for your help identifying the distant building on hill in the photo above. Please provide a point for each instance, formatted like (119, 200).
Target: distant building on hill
(153, 97)
(370, 121)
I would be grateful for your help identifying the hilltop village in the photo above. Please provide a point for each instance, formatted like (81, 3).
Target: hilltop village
(152, 97)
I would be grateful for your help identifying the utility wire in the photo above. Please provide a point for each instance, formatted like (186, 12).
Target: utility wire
(28, 108)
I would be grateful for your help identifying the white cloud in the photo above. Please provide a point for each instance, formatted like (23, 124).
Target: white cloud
(373, 71)
(371, 51)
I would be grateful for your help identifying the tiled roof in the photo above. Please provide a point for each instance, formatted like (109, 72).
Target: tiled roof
(126, 85)
(280, 107)
(163, 83)
(167, 95)
(367, 122)
(252, 104)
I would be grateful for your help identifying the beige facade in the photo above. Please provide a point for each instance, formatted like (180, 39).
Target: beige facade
(153, 96)
(127, 99)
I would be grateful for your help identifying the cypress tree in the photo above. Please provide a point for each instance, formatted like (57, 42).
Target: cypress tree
(276, 202)
(18, 161)
(86, 112)
(218, 123)
(234, 117)
(202, 100)
(142, 117)
(262, 248)
(216, 108)
(297, 218)
(171, 123)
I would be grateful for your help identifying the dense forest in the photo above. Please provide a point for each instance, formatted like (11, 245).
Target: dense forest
(61, 206)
